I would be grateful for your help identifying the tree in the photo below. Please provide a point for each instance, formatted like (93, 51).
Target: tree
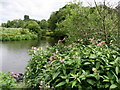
(32, 26)
(43, 24)
(88, 22)
(59, 16)
(26, 17)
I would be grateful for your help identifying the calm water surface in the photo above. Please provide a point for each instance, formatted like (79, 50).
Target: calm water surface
(14, 54)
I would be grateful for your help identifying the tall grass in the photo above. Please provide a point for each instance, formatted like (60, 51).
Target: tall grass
(14, 34)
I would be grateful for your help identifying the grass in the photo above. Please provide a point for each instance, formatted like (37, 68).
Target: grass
(14, 34)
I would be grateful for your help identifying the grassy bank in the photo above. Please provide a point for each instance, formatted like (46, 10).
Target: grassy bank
(14, 34)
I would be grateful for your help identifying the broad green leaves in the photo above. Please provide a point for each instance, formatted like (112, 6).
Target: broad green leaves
(74, 66)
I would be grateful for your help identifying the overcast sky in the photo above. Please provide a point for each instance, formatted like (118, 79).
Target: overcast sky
(36, 9)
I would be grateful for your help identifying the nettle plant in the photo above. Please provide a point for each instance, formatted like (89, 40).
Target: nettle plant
(91, 66)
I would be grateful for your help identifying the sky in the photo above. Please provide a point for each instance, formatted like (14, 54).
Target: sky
(36, 9)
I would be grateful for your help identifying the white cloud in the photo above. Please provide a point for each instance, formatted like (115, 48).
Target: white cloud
(36, 9)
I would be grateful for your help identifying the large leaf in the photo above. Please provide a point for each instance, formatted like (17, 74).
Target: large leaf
(87, 63)
(60, 84)
(90, 81)
(97, 65)
(93, 56)
(117, 70)
(55, 75)
(113, 86)
(73, 84)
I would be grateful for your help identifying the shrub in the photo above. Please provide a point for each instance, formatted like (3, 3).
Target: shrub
(91, 66)
(6, 81)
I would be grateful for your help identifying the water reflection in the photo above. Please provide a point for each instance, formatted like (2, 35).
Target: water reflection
(15, 53)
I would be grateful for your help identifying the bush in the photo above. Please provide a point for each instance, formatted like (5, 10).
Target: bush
(91, 66)
(6, 81)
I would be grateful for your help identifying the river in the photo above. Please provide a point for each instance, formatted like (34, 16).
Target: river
(15, 55)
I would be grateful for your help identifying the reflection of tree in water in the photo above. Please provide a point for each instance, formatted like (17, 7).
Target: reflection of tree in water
(47, 41)
(27, 44)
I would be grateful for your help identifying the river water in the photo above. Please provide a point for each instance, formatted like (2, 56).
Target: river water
(15, 56)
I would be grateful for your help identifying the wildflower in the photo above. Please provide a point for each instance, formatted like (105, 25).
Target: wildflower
(99, 44)
(59, 41)
(54, 57)
(99, 39)
(14, 75)
(91, 39)
(57, 51)
(47, 86)
(34, 51)
(50, 59)
(70, 46)
(38, 49)
(41, 83)
(64, 46)
(94, 69)
(102, 41)
(61, 60)
(44, 66)
(73, 43)
(34, 48)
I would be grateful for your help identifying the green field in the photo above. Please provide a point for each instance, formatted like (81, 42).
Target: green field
(14, 34)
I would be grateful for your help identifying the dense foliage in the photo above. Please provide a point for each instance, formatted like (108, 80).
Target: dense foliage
(82, 64)
(14, 34)
(90, 22)
(6, 81)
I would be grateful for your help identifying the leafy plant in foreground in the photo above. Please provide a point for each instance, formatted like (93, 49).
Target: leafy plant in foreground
(77, 65)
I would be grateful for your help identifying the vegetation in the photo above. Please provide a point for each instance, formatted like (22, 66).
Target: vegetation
(77, 65)
(6, 81)
(12, 34)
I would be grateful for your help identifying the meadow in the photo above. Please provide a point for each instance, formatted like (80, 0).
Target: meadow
(15, 34)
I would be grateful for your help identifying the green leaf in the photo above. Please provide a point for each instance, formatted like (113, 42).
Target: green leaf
(90, 81)
(60, 84)
(115, 76)
(91, 75)
(106, 80)
(55, 75)
(82, 76)
(112, 62)
(73, 84)
(67, 80)
(93, 56)
(87, 63)
(117, 70)
(78, 80)
(113, 86)
(97, 65)
(63, 77)
(106, 85)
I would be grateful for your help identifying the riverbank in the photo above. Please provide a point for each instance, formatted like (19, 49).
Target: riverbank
(16, 34)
